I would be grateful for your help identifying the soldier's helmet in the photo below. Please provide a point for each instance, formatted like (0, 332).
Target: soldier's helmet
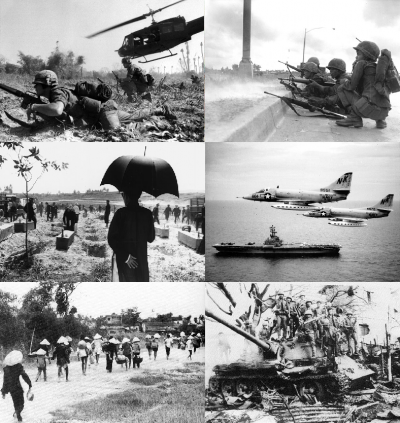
(349, 313)
(126, 60)
(369, 48)
(47, 78)
(337, 64)
(310, 67)
(313, 60)
(279, 293)
(308, 313)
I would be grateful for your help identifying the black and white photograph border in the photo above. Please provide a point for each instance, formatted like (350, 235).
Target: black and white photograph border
(102, 352)
(116, 72)
(258, 87)
(284, 352)
(67, 212)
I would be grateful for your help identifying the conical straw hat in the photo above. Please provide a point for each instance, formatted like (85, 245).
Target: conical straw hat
(45, 342)
(13, 358)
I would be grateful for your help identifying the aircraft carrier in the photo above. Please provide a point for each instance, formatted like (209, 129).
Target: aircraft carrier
(274, 246)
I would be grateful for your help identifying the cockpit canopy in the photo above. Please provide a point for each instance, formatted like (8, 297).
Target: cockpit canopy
(263, 190)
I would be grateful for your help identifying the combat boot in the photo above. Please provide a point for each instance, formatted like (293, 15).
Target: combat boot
(351, 120)
(381, 124)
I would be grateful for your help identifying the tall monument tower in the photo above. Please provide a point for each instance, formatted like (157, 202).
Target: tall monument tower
(246, 65)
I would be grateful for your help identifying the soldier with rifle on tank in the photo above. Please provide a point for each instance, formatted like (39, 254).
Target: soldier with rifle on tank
(282, 314)
(329, 97)
(309, 328)
(350, 330)
(330, 333)
(293, 316)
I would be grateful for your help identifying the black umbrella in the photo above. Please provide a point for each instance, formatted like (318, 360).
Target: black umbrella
(152, 175)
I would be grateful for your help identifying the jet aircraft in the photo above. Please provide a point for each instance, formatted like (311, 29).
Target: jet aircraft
(303, 199)
(354, 217)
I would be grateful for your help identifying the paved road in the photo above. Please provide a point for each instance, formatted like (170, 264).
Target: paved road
(52, 395)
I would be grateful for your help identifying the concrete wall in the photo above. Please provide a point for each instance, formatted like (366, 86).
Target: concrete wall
(189, 239)
(6, 230)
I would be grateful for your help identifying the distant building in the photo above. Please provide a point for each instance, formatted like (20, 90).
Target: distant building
(113, 327)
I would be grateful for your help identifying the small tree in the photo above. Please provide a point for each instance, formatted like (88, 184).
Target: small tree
(25, 164)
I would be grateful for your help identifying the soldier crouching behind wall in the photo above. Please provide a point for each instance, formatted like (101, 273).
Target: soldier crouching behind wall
(361, 91)
(82, 110)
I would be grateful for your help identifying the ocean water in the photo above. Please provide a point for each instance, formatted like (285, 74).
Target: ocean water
(368, 253)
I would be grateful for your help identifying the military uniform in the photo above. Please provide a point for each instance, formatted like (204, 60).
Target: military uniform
(293, 318)
(282, 313)
(309, 329)
(331, 333)
(360, 92)
(350, 330)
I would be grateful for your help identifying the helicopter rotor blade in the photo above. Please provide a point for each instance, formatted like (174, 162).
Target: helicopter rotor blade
(172, 4)
(139, 18)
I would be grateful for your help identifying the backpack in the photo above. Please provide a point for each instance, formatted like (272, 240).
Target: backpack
(150, 80)
(387, 78)
(101, 92)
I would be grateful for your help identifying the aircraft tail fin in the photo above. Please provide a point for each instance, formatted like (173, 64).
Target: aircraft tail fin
(385, 204)
(342, 184)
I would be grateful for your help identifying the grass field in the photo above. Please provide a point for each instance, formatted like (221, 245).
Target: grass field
(170, 397)
(187, 105)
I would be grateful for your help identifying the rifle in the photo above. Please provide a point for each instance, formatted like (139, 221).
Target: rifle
(307, 81)
(290, 86)
(306, 105)
(291, 67)
(28, 99)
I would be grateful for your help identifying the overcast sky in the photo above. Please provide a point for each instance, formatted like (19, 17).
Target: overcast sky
(89, 161)
(278, 30)
(238, 169)
(102, 298)
(34, 27)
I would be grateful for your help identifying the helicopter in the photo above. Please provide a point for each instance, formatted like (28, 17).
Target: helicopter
(158, 37)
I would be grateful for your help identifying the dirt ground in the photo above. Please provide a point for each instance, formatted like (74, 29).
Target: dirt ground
(53, 395)
(169, 260)
(186, 103)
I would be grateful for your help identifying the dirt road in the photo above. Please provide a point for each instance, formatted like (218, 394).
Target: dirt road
(53, 395)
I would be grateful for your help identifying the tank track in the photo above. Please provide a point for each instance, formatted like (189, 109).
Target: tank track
(336, 384)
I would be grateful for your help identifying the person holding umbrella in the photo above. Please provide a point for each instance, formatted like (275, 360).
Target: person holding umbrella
(132, 226)
(13, 369)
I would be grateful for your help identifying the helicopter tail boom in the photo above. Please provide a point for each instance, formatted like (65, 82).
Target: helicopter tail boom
(195, 26)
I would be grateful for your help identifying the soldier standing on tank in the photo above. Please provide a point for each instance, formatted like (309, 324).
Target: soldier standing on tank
(330, 330)
(309, 329)
(281, 311)
(350, 330)
(319, 312)
(330, 98)
(360, 91)
(293, 317)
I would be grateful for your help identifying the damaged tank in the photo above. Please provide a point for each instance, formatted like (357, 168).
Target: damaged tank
(289, 368)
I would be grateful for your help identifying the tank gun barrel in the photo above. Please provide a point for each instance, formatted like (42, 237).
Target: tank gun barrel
(264, 345)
